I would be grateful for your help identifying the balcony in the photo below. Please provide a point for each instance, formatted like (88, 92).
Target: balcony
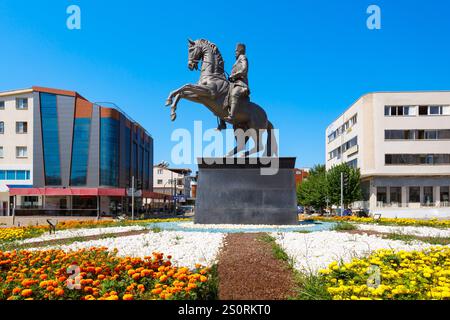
(351, 151)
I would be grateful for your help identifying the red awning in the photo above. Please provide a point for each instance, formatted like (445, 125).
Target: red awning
(156, 195)
(107, 192)
(67, 192)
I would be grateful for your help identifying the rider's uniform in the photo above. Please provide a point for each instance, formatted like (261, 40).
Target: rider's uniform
(239, 82)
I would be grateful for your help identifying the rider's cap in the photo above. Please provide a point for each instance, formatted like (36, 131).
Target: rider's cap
(240, 47)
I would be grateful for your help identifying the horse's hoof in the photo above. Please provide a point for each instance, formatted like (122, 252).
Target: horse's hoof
(173, 116)
(168, 102)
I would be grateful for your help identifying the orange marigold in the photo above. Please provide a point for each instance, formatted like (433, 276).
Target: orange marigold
(128, 297)
(26, 292)
(157, 291)
(16, 290)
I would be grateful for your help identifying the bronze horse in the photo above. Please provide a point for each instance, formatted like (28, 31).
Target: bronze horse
(211, 91)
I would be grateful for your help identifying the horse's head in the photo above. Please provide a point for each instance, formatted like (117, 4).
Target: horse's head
(195, 55)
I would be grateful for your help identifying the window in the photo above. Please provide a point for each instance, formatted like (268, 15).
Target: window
(21, 127)
(347, 125)
(430, 134)
(21, 152)
(21, 175)
(443, 134)
(30, 201)
(399, 110)
(336, 153)
(127, 155)
(22, 103)
(160, 171)
(396, 195)
(1, 152)
(81, 135)
(428, 195)
(14, 174)
(445, 194)
(435, 110)
(50, 139)
(381, 194)
(394, 134)
(417, 159)
(414, 194)
(2, 105)
(10, 175)
(2, 127)
(349, 144)
(407, 111)
(353, 163)
(109, 152)
(159, 181)
(423, 110)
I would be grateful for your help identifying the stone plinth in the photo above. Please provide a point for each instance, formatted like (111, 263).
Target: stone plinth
(246, 193)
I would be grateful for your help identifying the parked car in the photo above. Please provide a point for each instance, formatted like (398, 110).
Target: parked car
(348, 212)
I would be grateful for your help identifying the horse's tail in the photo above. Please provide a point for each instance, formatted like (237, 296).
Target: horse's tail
(271, 145)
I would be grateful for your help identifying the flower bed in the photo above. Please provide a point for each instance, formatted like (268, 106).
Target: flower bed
(20, 233)
(77, 224)
(391, 221)
(44, 275)
(414, 275)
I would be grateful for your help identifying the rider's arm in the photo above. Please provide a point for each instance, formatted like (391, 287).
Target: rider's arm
(242, 70)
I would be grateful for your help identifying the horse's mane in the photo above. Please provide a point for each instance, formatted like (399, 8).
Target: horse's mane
(215, 49)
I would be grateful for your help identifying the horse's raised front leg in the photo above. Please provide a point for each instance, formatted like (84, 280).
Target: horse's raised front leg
(189, 89)
(192, 91)
(173, 109)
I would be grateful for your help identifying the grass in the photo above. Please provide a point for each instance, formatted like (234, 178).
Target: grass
(156, 229)
(277, 251)
(343, 226)
(211, 291)
(310, 287)
(410, 238)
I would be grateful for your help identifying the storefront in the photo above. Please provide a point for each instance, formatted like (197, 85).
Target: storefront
(77, 201)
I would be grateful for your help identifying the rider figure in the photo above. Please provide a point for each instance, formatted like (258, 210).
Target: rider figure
(238, 84)
(239, 80)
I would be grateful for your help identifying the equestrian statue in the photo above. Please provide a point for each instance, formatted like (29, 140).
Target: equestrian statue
(228, 99)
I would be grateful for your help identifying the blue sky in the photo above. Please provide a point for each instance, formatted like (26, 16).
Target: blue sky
(309, 60)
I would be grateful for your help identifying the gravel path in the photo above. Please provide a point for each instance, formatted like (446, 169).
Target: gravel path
(248, 270)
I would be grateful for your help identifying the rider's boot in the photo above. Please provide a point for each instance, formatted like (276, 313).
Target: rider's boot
(233, 106)
(222, 125)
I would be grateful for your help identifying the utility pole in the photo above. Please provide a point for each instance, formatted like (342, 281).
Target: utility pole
(342, 194)
(132, 198)
(174, 188)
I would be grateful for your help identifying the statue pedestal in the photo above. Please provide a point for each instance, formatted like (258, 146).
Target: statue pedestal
(245, 192)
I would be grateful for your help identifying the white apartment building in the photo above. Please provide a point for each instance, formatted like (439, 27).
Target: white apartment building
(16, 143)
(400, 141)
(172, 181)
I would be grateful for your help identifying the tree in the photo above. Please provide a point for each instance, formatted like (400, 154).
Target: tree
(352, 187)
(312, 192)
